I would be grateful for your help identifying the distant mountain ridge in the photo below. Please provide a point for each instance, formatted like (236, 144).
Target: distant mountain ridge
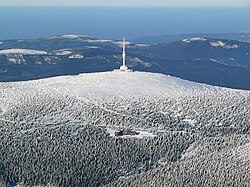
(243, 36)
(213, 61)
(227, 52)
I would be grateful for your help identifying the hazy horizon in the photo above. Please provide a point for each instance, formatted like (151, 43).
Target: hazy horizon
(113, 23)
(127, 3)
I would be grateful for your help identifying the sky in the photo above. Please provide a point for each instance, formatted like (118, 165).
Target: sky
(120, 3)
(113, 22)
(130, 18)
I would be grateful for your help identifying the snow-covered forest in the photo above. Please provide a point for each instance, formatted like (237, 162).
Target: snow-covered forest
(56, 132)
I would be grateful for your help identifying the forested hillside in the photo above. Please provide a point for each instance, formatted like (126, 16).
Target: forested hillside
(56, 132)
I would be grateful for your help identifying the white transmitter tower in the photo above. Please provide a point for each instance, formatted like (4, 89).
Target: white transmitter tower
(123, 68)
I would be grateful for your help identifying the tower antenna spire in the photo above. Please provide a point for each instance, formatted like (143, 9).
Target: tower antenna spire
(124, 52)
(123, 67)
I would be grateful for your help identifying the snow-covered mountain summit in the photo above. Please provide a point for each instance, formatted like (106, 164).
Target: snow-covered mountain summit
(117, 84)
(120, 85)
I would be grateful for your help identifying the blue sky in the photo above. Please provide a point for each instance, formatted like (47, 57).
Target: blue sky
(28, 22)
(37, 18)
(241, 3)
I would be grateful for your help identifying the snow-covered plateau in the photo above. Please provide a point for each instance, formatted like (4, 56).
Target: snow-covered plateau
(189, 40)
(69, 36)
(223, 45)
(22, 51)
(61, 131)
